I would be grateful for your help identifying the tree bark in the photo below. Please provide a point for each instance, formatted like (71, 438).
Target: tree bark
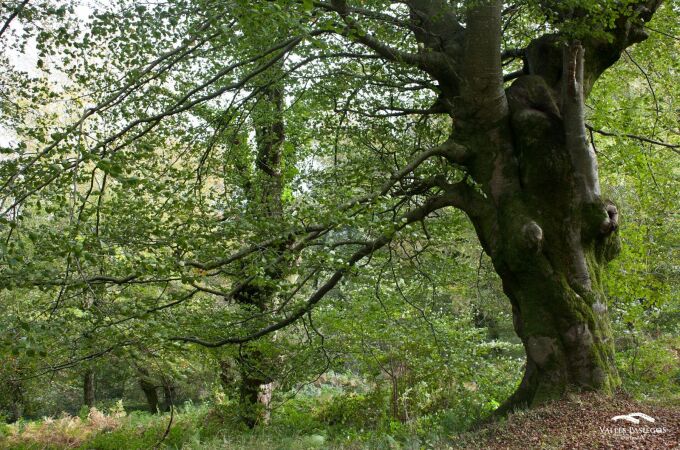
(16, 392)
(537, 206)
(88, 388)
(149, 388)
(168, 395)
(264, 203)
(553, 237)
(255, 389)
(151, 395)
(255, 397)
(549, 234)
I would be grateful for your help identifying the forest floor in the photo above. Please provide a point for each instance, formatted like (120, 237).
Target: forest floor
(578, 422)
(582, 422)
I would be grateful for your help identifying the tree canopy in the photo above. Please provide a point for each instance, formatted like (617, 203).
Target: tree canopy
(215, 173)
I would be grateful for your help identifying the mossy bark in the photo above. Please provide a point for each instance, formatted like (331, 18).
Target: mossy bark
(564, 326)
(535, 200)
(150, 394)
(556, 234)
(255, 387)
(255, 392)
(149, 388)
(549, 234)
(264, 190)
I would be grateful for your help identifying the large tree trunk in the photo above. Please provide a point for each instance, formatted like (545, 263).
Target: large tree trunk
(536, 203)
(88, 388)
(549, 234)
(562, 321)
(555, 234)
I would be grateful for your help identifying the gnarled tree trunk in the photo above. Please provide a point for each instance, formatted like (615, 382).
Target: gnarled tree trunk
(535, 198)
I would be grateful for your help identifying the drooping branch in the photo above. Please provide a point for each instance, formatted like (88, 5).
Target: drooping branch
(147, 74)
(450, 150)
(181, 105)
(674, 147)
(450, 198)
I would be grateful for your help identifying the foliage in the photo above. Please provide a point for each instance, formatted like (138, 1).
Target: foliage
(132, 191)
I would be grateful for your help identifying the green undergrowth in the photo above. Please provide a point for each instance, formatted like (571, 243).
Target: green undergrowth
(650, 368)
(323, 416)
(332, 415)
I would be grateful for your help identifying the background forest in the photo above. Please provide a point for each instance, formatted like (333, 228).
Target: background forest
(244, 224)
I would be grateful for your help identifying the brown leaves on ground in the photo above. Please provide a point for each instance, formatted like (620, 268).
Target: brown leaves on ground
(582, 422)
(65, 432)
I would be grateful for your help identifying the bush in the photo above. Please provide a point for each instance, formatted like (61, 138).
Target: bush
(651, 368)
(355, 410)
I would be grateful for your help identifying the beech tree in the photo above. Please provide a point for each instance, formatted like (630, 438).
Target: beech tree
(394, 112)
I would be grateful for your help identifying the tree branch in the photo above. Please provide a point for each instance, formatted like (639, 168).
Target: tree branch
(448, 199)
(360, 36)
(674, 147)
(12, 16)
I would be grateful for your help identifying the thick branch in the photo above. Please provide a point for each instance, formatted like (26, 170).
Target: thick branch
(544, 57)
(482, 74)
(582, 155)
(437, 27)
(355, 32)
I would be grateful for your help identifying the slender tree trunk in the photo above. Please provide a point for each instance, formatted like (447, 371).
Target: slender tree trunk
(264, 398)
(250, 409)
(168, 395)
(88, 388)
(16, 401)
(255, 398)
(265, 203)
(149, 388)
(228, 373)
